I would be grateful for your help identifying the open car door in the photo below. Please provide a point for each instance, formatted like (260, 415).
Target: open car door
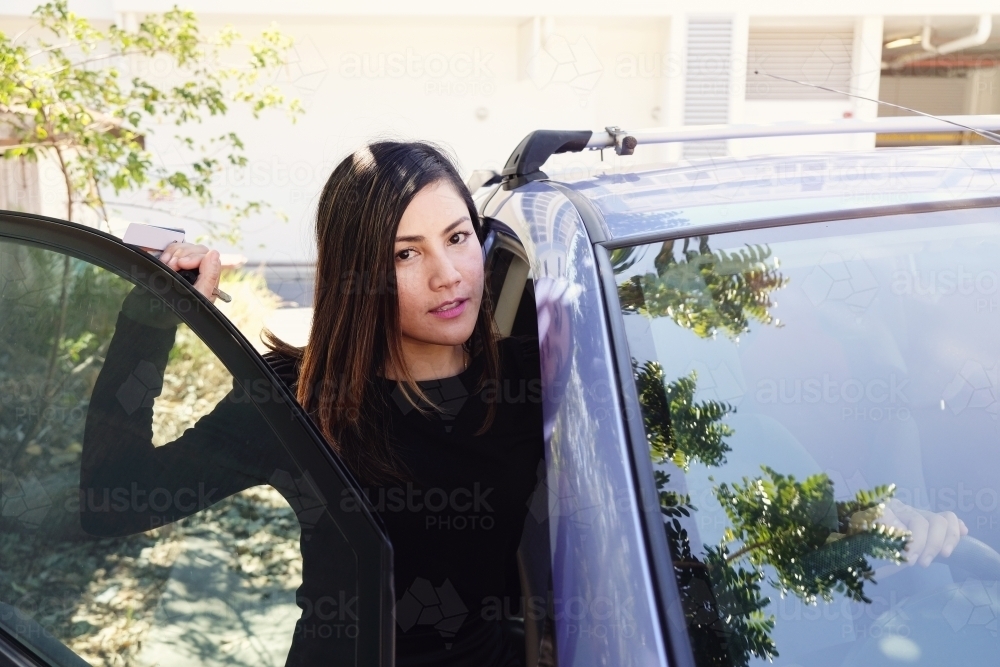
(181, 549)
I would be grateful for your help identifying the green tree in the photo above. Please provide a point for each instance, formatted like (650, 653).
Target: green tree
(75, 94)
(701, 290)
(813, 545)
(677, 428)
(792, 532)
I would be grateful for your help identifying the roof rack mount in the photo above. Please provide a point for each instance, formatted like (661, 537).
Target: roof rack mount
(524, 164)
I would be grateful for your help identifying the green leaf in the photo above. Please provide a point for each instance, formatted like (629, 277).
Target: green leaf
(705, 291)
(67, 100)
(678, 428)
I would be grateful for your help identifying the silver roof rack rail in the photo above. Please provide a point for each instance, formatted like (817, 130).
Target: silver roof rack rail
(524, 164)
(614, 137)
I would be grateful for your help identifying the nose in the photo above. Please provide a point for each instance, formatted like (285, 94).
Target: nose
(444, 273)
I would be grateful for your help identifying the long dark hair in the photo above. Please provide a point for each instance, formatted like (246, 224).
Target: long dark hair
(355, 328)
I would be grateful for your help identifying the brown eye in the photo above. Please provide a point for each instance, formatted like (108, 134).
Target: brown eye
(403, 254)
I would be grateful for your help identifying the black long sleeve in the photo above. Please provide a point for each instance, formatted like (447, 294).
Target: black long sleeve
(454, 528)
(127, 484)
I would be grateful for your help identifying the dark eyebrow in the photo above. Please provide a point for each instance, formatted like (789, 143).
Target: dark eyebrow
(418, 239)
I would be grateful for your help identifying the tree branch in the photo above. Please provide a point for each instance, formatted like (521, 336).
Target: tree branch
(48, 49)
(747, 548)
(100, 201)
(40, 144)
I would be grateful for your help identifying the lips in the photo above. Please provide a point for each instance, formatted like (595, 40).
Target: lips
(449, 305)
(450, 309)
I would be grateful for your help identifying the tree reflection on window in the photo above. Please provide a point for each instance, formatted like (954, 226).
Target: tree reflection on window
(793, 532)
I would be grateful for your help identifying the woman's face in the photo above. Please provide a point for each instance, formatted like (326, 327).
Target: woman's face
(439, 268)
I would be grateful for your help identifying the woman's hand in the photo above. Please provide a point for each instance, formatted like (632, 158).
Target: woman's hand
(190, 256)
(931, 534)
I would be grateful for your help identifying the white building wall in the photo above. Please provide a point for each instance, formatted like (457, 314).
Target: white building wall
(478, 77)
(453, 81)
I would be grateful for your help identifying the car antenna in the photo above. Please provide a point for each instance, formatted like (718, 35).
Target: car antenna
(986, 134)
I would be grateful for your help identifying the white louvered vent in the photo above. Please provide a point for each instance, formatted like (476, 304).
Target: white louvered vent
(815, 55)
(706, 87)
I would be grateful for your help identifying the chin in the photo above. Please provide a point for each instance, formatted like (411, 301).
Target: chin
(457, 336)
(447, 333)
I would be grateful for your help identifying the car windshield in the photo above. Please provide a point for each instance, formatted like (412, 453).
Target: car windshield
(821, 405)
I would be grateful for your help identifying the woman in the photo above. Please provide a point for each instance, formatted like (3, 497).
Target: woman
(401, 374)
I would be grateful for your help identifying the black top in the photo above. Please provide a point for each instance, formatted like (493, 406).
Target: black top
(454, 529)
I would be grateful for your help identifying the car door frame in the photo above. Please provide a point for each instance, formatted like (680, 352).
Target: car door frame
(586, 225)
(363, 528)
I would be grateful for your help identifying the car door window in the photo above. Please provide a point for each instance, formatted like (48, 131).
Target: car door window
(810, 395)
(155, 509)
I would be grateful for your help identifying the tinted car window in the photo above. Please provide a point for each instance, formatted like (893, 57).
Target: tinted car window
(801, 388)
(126, 535)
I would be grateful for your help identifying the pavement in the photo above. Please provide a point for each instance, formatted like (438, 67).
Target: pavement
(211, 615)
(294, 284)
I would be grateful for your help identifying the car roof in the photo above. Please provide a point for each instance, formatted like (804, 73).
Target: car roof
(709, 194)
